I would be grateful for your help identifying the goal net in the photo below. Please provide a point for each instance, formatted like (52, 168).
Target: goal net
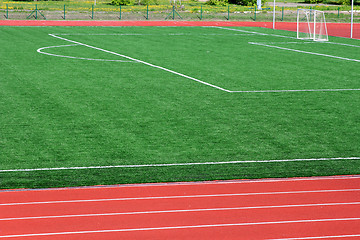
(311, 24)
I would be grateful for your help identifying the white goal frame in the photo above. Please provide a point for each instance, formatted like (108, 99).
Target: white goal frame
(311, 24)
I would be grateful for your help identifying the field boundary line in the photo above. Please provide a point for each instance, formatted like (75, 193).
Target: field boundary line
(181, 196)
(194, 183)
(179, 164)
(179, 211)
(183, 227)
(140, 61)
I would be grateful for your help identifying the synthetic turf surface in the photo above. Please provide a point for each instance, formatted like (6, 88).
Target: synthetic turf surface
(62, 112)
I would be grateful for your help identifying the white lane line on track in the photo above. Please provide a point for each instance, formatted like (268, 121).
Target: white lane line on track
(216, 182)
(180, 211)
(183, 164)
(182, 227)
(318, 237)
(180, 196)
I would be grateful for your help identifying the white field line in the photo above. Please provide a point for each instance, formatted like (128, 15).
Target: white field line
(203, 82)
(300, 51)
(281, 36)
(137, 60)
(181, 196)
(180, 164)
(40, 50)
(180, 211)
(319, 237)
(299, 90)
(183, 227)
(144, 34)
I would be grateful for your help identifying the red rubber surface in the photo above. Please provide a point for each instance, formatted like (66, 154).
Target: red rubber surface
(302, 208)
(334, 29)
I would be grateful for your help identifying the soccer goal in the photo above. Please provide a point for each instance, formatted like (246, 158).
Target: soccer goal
(311, 24)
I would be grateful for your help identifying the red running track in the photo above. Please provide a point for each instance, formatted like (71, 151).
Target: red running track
(334, 29)
(299, 208)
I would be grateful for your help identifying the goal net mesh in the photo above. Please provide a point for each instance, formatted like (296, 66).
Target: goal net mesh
(311, 24)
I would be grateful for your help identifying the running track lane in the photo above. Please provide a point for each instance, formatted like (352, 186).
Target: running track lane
(334, 29)
(299, 208)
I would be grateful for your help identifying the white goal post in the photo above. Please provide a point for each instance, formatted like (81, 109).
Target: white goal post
(311, 24)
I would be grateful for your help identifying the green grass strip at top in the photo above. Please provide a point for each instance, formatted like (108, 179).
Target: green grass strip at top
(179, 164)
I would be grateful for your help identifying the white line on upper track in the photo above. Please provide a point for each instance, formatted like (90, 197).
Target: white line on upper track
(180, 164)
(183, 227)
(181, 196)
(318, 237)
(181, 211)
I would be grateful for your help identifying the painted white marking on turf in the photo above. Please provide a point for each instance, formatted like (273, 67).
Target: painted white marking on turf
(183, 227)
(181, 196)
(180, 164)
(143, 62)
(281, 36)
(145, 34)
(300, 51)
(206, 83)
(301, 90)
(318, 237)
(40, 50)
(181, 211)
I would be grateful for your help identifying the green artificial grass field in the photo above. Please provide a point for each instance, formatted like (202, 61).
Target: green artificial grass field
(119, 96)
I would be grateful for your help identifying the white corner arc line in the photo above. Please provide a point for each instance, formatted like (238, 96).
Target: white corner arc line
(183, 227)
(180, 164)
(40, 50)
(180, 211)
(180, 197)
(143, 62)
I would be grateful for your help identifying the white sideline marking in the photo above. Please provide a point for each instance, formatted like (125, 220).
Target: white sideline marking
(144, 34)
(181, 196)
(179, 164)
(183, 227)
(137, 60)
(318, 237)
(71, 45)
(300, 51)
(179, 211)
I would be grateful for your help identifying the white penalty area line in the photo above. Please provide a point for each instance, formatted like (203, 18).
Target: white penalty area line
(139, 61)
(295, 50)
(306, 52)
(185, 227)
(181, 211)
(198, 80)
(179, 164)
